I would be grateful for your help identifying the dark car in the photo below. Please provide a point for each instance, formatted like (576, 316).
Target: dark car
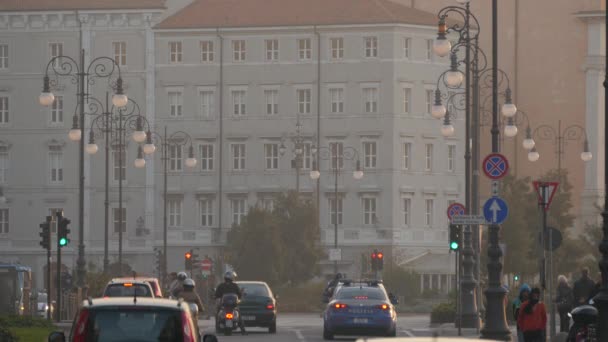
(362, 310)
(258, 305)
(132, 319)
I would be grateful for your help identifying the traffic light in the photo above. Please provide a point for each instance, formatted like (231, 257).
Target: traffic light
(66, 281)
(375, 260)
(45, 235)
(516, 277)
(188, 260)
(63, 231)
(380, 261)
(455, 237)
(159, 260)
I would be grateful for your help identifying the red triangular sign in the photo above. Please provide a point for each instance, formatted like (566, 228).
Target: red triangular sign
(549, 189)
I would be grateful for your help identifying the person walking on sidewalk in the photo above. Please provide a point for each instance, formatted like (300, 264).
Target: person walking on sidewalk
(583, 288)
(532, 318)
(564, 300)
(524, 293)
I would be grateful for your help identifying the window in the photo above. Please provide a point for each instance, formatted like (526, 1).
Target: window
(238, 156)
(407, 209)
(4, 110)
(407, 100)
(238, 102)
(429, 101)
(207, 51)
(304, 49)
(407, 47)
(55, 50)
(56, 167)
(271, 153)
(451, 157)
(272, 101)
(272, 50)
(337, 154)
(118, 169)
(4, 221)
(268, 204)
(174, 208)
(206, 153)
(369, 154)
(57, 111)
(120, 52)
(369, 210)
(207, 104)
(237, 206)
(428, 163)
(335, 210)
(53, 213)
(4, 161)
(3, 56)
(205, 209)
(337, 48)
(336, 96)
(307, 156)
(371, 47)
(175, 52)
(429, 50)
(175, 103)
(175, 157)
(238, 48)
(407, 152)
(304, 96)
(120, 221)
(370, 96)
(428, 217)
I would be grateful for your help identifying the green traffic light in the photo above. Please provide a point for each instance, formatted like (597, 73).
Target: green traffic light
(454, 245)
(63, 242)
(516, 278)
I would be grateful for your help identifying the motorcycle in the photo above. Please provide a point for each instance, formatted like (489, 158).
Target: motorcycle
(583, 329)
(228, 316)
(194, 313)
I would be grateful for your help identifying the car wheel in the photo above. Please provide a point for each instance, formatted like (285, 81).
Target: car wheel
(392, 332)
(272, 328)
(327, 335)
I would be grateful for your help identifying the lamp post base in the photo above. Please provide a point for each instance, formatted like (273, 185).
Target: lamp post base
(496, 322)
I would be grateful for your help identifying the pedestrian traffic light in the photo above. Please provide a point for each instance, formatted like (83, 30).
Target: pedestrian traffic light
(45, 235)
(516, 277)
(63, 231)
(188, 260)
(455, 237)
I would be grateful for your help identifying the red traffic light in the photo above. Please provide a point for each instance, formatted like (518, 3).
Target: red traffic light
(380, 255)
(374, 256)
(188, 255)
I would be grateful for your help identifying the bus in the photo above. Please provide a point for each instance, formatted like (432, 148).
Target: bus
(15, 289)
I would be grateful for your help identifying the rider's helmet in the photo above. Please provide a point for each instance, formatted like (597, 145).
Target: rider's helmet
(181, 276)
(584, 314)
(189, 283)
(230, 276)
(338, 276)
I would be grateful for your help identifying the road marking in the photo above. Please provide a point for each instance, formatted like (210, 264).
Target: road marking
(299, 335)
(408, 333)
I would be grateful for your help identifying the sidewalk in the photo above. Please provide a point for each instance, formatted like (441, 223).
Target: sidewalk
(450, 330)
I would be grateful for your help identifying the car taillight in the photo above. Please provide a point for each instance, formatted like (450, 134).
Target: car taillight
(229, 316)
(384, 307)
(270, 306)
(81, 324)
(339, 306)
(188, 329)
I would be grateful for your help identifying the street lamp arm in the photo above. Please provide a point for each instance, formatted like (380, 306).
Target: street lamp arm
(62, 66)
(103, 67)
(485, 77)
(462, 28)
(574, 132)
(546, 132)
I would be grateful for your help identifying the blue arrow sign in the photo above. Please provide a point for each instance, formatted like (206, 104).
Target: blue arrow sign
(495, 210)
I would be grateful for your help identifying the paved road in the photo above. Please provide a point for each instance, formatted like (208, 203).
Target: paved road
(308, 328)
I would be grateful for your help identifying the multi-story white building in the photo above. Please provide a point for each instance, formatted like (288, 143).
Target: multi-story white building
(236, 76)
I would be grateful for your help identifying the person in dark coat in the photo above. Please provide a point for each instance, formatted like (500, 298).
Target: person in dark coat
(564, 300)
(583, 288)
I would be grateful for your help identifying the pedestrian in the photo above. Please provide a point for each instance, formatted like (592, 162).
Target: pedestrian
(532, 318)
(596, 287)
(524, 293)
(583, 288)
(564, 300)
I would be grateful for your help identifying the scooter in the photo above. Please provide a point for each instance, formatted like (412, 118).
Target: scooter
(583, 329)
(228, 317)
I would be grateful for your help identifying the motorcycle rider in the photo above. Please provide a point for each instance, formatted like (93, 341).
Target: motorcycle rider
(190, 296)
(229, 286)
(331, 285)
(177, 286)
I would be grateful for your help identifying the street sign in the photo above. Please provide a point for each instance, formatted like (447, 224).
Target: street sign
(545, 192)
(495, 210)
(495, 188)
(468, 219)
(495, 166)
(553, 239)
(455, 209)
(335, 254)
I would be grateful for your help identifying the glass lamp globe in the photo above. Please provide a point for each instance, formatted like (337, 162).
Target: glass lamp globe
(282, 149)
(447, 130)
(140, 163)
(315, 174)
(75, 134)
(442, 47)
(358, 174)
(528, 143)
(92, 148)
(454, 78)
(463, 2)
(509, 110)
(149, 148)
(139, 136)
(438, 111)
(533, 155)
(191, 162)
(120, 100)
(46, 99)
(510, 131)
(586, 156)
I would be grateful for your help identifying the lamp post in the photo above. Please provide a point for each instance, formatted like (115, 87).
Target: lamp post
(336, 152)
(177, 139)
(83, 76)
(127, 118)
(298, 150)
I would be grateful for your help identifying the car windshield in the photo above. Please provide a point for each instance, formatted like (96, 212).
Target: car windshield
(361, 293)
(120, 290)
(254, 289)
(140, 324)
(42, 298)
